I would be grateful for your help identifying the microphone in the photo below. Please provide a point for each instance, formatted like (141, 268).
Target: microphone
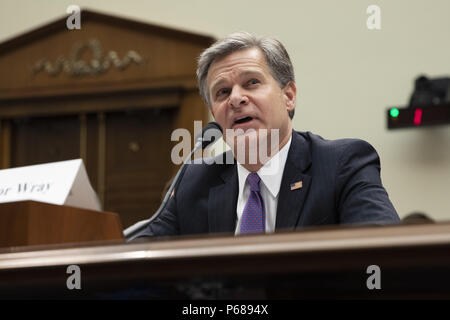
(212, 131)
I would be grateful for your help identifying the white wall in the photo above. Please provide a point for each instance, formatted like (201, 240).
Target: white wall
(346, 74)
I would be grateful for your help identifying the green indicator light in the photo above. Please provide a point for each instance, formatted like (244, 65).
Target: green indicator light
(394, 113)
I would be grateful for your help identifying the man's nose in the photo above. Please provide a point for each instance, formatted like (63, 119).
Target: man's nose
(238, 98)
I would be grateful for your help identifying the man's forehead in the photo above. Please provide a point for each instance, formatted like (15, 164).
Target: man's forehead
(246, 55)
(247, 52)
(244, 62)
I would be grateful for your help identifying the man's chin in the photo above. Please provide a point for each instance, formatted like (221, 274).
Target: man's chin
(242, 130)
(237, 136)
(252, 143)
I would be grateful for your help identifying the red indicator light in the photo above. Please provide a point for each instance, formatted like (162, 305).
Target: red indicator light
(417, 116)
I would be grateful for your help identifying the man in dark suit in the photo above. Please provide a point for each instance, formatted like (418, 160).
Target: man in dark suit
(248, 84)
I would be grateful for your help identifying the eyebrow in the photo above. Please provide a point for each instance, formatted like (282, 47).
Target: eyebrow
(243, 74)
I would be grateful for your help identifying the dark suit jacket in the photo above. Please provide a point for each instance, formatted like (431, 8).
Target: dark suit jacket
(341, 184)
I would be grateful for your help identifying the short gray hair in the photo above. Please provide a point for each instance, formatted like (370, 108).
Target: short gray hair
(276, 56)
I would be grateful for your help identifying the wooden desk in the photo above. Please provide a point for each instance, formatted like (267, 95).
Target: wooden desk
(314, 263)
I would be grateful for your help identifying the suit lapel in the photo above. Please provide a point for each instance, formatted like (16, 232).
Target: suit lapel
(290, 202)
(222, 202)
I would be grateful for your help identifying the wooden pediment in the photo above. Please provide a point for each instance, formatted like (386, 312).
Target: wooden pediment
(108, 54)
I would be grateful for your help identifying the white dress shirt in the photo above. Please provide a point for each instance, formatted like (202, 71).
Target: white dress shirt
(271, 174)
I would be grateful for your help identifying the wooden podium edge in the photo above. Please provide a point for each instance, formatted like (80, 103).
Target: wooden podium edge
(25, 223)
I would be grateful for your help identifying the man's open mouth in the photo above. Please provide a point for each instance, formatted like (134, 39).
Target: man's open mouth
(243, 120)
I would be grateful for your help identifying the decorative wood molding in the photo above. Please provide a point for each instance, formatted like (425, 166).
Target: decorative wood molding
(75, 66)
(108, 55)
(90, 103)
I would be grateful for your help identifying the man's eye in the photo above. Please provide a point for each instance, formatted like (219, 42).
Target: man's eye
(222, 92)
(253, 81)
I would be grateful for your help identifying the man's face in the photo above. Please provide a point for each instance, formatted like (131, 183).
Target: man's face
(244, 95)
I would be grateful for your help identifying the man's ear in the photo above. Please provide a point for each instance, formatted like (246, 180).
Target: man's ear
(290, 95)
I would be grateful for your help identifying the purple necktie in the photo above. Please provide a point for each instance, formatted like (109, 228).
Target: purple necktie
(254, 217)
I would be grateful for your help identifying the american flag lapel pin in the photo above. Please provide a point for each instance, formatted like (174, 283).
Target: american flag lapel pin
(296, 185)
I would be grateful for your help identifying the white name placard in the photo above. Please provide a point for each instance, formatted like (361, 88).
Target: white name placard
(62, 183)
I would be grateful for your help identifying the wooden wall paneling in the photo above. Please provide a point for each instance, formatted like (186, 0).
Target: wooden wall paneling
(101, 157)
(119, 120)
(92, 149)
(137, 161)
(30, 139)
(83, 137)
(5, 143)
(2, 151)
(192, 108)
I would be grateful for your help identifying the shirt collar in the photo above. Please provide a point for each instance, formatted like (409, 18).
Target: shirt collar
(271, 173)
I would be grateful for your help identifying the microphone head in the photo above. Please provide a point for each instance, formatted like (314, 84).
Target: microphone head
(212, 125)
(210, 133)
